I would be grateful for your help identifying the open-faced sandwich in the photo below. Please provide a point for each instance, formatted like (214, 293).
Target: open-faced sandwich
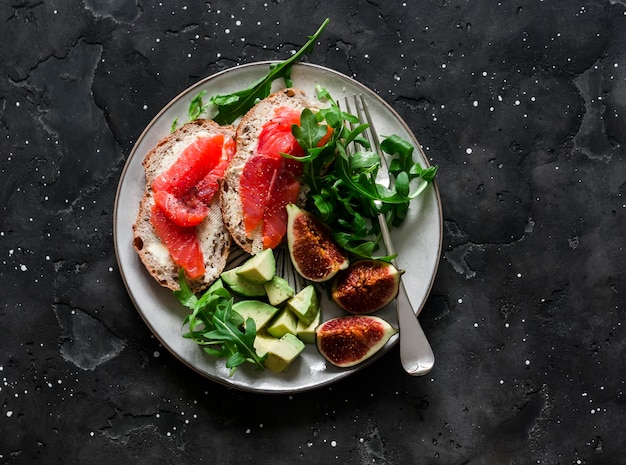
(259, 182)
(179, 224)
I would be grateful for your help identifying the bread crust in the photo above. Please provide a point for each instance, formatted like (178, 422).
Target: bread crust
(214, 238)
(248, 131)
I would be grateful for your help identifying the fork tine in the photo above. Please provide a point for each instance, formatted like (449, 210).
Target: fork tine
(359, 114)
(370, 133)
(373, 135)
(351, 147)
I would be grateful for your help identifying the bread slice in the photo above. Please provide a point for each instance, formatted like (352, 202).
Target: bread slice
(248, 131)
(214, 237)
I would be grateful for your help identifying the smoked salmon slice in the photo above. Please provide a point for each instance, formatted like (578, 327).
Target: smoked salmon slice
(255, 188)
(284, 190)
(182, 195)
(269, 181)
(209, 185)
(184, 191)
(193, 164)
(276, 137)
(182, 212)
(182, 243)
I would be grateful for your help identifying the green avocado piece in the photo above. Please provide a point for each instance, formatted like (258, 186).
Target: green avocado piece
(305, 304)
(262, 343)
(284, 322)
(260, 268)
(278, 290)
(282, 352)
(259, 311)
(305, 332)
(242, 286)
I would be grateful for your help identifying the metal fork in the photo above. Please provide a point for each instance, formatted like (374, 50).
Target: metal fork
(416, 353)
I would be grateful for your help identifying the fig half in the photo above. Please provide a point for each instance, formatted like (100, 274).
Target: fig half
(314, 253)
(365, 286)
(348, 340)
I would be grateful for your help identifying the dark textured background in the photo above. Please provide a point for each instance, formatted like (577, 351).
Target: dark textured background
(522, 104)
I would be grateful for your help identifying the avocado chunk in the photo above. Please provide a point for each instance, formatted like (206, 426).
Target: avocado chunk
(304, 304)
(282, 352)
(259, 311)
(262, 343)
(242, 286)
(284, 322)
(278, 290)
(260, 268)
(307, 332)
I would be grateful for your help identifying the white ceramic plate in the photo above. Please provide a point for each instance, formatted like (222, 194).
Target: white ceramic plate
(418, 241)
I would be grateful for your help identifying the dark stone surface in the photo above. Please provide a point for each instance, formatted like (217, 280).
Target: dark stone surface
(521, 104)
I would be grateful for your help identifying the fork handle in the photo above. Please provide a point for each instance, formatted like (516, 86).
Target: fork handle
(416, 354)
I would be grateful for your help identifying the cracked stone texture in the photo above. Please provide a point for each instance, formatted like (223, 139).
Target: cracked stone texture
(521, 104)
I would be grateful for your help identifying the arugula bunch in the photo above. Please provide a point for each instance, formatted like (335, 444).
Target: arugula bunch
(343, 189)
(215, 327)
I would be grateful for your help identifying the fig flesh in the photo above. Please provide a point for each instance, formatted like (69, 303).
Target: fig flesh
(348, 340)
(366, 286)
(314, 253)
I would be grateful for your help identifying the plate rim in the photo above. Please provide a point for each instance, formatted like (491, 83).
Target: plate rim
(123, 273)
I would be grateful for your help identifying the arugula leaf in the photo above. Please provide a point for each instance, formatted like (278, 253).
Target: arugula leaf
(184, 294)
(213, 325)
(196, 108)
(232, 106)
(237, 345)
(309, 133)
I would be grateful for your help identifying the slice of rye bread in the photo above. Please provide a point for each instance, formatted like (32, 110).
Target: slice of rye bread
(248, 132)
(214, 238)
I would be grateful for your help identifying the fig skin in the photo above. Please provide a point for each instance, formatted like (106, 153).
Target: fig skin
(366, 286)
(349, 340)
(314, 253)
